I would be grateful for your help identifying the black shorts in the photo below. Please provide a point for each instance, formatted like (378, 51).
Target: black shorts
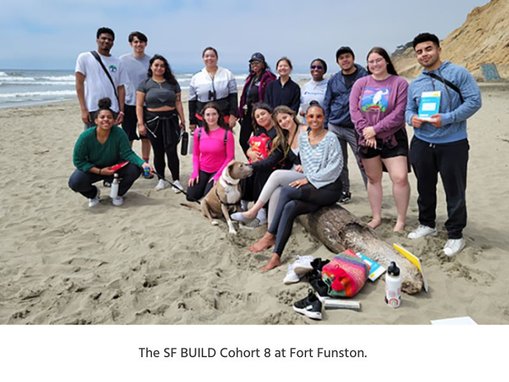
(387, 149)
(130, 123)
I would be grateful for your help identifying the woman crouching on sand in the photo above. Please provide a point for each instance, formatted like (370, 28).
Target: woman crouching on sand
(99, 148)
(213, 149)
(322, 162)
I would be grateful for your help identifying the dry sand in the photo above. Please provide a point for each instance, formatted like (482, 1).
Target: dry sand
(153, 261)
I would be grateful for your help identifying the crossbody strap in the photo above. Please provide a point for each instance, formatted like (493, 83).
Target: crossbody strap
(98, 58)
(447, 83)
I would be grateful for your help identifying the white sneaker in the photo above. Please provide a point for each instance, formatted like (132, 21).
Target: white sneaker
(95, 200)
(262, 216)
(422, 231)
(177, 187)
(454, 246)
(161, 185)
(117, 201)
(303, 265)
(291, 277)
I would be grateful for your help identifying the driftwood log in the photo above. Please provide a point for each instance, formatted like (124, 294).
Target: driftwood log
(338, 230)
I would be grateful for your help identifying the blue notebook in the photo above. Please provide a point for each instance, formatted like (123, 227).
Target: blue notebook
(429, 104)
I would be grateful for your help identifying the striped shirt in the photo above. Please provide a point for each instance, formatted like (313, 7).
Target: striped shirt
(323, 162)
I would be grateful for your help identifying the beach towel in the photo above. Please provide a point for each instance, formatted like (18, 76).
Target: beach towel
(344, 275)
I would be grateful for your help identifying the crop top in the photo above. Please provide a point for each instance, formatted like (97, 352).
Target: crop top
(159, 94)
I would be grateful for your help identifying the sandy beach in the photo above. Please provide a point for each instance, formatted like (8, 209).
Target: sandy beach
(153, 261)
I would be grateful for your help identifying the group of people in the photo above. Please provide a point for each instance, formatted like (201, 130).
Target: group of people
(296, 139)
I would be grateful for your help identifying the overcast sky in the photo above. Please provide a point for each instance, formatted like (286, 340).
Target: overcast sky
(49, 34)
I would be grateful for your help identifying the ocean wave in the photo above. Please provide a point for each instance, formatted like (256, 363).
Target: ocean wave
(45, 94)
(36, 83)
(69, 78)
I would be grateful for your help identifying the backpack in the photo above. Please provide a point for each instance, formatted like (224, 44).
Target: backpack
(344, 275)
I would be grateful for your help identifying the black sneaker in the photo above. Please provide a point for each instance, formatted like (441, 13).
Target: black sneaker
(345, 197)
(310, 307)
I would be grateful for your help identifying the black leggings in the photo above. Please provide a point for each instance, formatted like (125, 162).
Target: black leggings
(246, 129)
(299, 201)
(200, 189)
(82, 182)
(164, 136)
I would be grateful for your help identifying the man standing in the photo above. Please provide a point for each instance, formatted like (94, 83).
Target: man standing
(440, 144)
(99, 75)
(136, 66)
(337, 112)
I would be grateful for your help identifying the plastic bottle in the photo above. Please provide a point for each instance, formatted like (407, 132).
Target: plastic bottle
(114, 186)
(146, 172)
(393, 285)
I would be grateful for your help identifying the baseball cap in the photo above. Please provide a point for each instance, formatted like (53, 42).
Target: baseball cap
(343, 50)
(257, 57)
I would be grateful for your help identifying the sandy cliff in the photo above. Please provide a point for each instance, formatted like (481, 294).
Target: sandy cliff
(483, 38)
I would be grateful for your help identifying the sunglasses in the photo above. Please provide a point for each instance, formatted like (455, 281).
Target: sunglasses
(316, 67)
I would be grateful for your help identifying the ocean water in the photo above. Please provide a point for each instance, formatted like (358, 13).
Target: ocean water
(32, 87)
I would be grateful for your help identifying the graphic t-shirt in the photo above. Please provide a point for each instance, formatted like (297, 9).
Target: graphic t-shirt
(375, 99)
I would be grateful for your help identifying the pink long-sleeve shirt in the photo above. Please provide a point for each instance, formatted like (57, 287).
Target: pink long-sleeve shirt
(380, 104)
(210, 153)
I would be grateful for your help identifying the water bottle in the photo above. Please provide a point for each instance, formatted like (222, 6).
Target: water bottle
(184, 143)
(393, 285)
(114, 186)
(146, 172)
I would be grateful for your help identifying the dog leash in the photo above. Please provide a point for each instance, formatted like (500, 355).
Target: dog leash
(173, 185)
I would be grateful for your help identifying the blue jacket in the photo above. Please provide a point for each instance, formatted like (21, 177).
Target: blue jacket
(336, 101)
(454, 113)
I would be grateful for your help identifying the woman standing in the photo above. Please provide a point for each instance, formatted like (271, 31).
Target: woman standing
(253, 92)
(213, 149)
(212, 84)
(318, 186)
(284, 91)
(377, 108)
(99, 148)
(314, 90)
(160, 93)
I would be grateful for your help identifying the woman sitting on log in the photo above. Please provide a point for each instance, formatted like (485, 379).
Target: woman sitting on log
(322, 162)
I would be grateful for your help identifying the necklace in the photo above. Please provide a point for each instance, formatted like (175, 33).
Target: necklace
(159, 82)
(316, 138)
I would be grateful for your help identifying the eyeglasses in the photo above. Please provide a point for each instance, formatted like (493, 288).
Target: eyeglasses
(377, 61)
(316, 67)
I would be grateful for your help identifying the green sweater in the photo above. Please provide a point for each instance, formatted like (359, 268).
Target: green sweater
(88, 152)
